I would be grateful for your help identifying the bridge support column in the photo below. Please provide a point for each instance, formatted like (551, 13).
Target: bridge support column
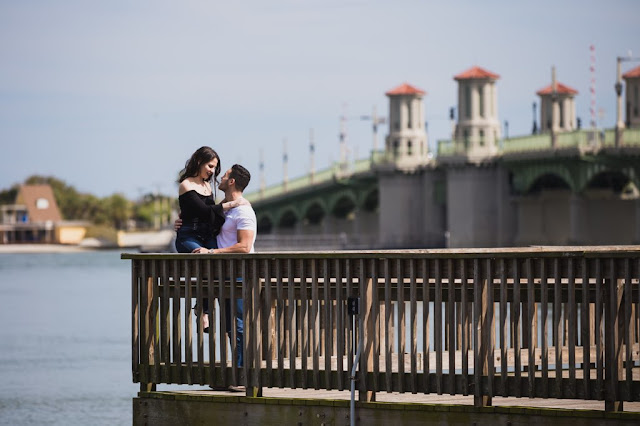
(576, 214)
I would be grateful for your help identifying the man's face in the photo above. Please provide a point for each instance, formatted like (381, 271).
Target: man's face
(224, 181)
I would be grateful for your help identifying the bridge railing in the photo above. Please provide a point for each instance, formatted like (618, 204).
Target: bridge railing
(585, 138)
(526, 143)
(550, 323)
(631, 137)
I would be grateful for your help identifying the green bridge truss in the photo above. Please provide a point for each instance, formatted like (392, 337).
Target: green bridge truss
(578, 160)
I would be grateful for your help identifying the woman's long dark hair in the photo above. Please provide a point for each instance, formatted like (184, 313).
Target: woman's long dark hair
(201, 156)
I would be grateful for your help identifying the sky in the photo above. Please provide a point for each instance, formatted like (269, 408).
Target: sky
(114, 96)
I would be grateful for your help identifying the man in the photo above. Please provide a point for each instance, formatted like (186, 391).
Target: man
(237, 235)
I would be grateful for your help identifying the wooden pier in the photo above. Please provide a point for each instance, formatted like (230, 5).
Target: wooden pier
(479, 326)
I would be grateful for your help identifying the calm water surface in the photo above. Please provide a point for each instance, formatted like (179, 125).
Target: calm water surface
(65, 327)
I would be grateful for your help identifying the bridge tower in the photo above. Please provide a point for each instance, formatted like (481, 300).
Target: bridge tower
(632, 89)
(406, 144)
(478, 129)
(557, 108)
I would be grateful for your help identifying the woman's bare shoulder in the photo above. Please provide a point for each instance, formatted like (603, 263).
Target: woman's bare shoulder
(185, 186)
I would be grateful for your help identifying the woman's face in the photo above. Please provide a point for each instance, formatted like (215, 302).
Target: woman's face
(207, 170)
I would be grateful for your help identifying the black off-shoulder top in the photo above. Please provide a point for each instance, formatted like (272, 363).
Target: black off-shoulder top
(195, 207)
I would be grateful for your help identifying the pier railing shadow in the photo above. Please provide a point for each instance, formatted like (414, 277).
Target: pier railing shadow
(557, 322)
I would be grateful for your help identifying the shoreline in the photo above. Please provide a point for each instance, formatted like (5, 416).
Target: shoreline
(49, 248)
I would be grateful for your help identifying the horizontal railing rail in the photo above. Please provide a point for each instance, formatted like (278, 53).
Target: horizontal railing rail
(532, 322)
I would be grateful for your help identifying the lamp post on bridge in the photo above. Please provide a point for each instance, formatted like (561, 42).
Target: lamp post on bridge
(375, 121)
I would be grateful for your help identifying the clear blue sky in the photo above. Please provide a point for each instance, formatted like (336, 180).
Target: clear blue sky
(114, 96)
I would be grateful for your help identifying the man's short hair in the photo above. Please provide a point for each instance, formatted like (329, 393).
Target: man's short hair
(241, 176)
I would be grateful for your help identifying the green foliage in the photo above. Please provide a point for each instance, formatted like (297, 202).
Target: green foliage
(152, 208)
(8, 196)
(114, 211)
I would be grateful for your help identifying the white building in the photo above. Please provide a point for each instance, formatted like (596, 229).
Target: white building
(477, 131)
(406, 144)
(632, 89)
(557, 108)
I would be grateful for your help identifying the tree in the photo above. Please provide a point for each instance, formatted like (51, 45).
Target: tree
(113, 211)
(118, 210)
(8, 196)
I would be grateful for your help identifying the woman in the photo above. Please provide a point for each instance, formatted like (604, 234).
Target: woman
(201, 217)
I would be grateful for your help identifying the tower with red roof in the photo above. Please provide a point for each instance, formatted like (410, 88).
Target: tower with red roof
(406, 143)
(632, 95)
(477, 131)
(557, 108)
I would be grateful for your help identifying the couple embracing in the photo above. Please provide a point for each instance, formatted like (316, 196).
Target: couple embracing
(207, 227)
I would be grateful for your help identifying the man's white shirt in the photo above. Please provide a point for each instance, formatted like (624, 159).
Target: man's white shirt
(239, 218)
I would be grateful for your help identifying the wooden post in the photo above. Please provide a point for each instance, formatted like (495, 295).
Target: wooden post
(147, 332)
(614, 314)
(464, 320)
(367, 326)
(482, 338)
(135, 321)
(425, 325)
(253, 304)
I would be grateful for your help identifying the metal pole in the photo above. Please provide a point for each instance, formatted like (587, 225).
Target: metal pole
(353, 311)
(618, 88)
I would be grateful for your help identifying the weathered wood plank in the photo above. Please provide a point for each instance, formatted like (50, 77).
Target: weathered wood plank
(413, 326)
(464, 317)
(401, 333)
(573, 326)
(388, 344)
(136, 286)
(451, 324)
(503, 327)
(437, 326)
(426, 343)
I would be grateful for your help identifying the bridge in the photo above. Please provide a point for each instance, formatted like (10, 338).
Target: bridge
(539, 189)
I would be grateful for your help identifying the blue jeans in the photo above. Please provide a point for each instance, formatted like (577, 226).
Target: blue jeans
(192, 236)
(195, 235)
(239, 327)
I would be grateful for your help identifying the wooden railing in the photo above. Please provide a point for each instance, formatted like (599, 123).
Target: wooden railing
(533, 322)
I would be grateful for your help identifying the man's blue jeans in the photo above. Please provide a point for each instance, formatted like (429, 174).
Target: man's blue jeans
(239, 327)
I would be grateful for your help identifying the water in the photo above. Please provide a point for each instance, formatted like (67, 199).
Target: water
(65, 339)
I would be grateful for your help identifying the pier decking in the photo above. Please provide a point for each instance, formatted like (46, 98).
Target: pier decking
(477, 327)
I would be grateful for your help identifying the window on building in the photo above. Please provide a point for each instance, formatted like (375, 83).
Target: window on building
(636, 100)
(481, 136)
(493, 96)
(467, 101)
(42, 203)
(409, 123)
(465, 138)
(481, 101)
(409, 148)
(561, 110)
(396, 147)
